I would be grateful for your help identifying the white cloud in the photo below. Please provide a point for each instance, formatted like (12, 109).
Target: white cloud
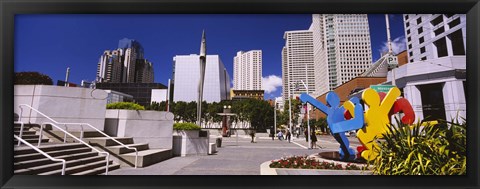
(271, 83)
(399, 44)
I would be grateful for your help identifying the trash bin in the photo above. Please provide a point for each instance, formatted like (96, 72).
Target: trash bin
(219, 142)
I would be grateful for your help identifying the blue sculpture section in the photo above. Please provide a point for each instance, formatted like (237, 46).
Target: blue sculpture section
(336, 120)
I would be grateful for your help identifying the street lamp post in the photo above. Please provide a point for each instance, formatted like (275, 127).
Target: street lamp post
(308, 119)
(275, 118)
(225, 127)
(289, 108)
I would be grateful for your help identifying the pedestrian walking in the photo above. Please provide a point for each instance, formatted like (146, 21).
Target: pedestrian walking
(289, 135)
(314, 140)
(305, 133)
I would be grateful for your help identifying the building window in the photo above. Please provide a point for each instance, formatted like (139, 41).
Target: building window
(410, 53)
(409, 39)
(439, 31)
(406, 17)
(457, 42)
(437, 20)
(407, 24)
(449, 15)
(421, 40)
(420, 30)
(408, 31)
(410, 46)
(419, 20)
(454, 23)
(441, 47)
(424, 58)
(422, 50)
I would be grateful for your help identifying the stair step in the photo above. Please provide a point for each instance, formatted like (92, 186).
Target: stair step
(25, 132)
(99, 170)
(38, 162)
(86, 134)
(148, 157)
(25, 157)
(79, 168)
(122, 150)
(105, 141)
(27, 125)
(58, 165)
(30, 136)
(33, 141)
(46, 148)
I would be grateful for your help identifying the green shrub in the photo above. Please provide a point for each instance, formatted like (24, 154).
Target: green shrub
(431, 150)
(125, 106)
(32, 78)
(186, 126)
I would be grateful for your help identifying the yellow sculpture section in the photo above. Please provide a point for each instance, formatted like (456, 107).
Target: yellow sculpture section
(376, 119)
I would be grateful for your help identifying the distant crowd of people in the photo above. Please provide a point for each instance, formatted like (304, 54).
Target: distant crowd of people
(288, 135)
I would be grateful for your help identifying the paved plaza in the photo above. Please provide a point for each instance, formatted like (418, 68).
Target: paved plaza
(237, 156)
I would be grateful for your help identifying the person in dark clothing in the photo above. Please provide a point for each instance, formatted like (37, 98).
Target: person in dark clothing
(288, 135)
(314, 139)
(306, 135)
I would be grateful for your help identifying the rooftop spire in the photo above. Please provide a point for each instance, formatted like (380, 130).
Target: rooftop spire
(203, 45)
(390, 50)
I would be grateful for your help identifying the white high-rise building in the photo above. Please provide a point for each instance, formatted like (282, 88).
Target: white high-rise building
(436, 45)
(342, 49)
(297, 63)
(431, 36)
(247, 70)
(186, 77)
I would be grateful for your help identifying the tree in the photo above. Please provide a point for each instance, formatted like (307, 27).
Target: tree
(32, 78)
(285, 117)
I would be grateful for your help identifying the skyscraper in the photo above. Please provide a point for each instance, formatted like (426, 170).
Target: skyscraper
(297, 63)
(125, 64)
(431, 36)
(186, 76)
(342, 48)
(110, 67)
(247, 70)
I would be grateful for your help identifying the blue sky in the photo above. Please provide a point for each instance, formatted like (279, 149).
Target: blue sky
(51, 43)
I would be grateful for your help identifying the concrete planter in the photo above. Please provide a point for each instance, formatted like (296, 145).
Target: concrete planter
(266, 170)
(190, 143)
(152, 127)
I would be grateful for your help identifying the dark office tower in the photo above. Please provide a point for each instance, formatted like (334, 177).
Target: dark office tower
(144, 71)
(133, 51)
(125, 65)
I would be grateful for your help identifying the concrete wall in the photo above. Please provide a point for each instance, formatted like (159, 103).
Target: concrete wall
(188, 143)
(63, 104)
(152, 127)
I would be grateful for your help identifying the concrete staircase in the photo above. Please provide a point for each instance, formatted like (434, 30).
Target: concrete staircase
(126, 157)
(81, 160)
(29, 133)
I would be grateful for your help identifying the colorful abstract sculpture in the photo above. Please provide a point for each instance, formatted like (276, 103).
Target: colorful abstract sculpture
(336, 121)
(372, 123)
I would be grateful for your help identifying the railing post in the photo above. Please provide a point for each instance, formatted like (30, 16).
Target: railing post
(21, 133)
(41, 134)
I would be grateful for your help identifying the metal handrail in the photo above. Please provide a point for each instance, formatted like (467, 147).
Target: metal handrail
(66, 133)
(82, 131)
(43, 153)
(21, 130)
(73, 136)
